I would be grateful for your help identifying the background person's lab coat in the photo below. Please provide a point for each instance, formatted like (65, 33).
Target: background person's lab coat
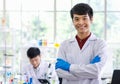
(81, 71)
(42, 72)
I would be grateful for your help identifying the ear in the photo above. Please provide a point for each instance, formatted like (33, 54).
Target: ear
(91, 19)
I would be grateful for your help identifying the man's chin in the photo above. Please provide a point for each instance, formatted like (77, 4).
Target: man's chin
(35, 67)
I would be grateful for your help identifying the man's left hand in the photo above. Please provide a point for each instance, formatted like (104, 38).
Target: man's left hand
(96, 59)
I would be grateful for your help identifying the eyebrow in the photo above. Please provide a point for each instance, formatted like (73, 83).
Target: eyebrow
(82, 16)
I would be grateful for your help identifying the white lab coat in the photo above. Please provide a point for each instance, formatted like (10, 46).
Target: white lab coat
(81, 71)
(42, 72)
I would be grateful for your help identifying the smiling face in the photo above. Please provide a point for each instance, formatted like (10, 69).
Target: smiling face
(35, 61)
(82, 23)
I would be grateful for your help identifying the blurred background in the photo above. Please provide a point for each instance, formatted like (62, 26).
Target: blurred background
(46, 23)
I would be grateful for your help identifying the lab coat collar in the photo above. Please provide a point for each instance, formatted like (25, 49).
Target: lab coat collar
(91, 38)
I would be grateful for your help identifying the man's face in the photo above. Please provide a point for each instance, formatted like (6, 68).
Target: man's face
(82, 23)
(35, 61)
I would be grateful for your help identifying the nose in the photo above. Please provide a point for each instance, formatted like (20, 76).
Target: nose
(34, 63)
(80, 21)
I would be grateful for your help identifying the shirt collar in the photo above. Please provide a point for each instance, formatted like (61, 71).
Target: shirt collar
(83, 40)
(91, 38)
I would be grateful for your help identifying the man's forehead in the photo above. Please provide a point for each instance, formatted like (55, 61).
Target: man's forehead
(76, 15)
(35, 57)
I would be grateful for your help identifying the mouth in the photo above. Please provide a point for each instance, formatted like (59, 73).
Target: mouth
(83, 27)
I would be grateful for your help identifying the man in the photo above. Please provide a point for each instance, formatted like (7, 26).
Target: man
(40, 71)
(81, 59)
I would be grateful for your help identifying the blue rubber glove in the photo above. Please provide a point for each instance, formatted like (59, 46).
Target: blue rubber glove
(62, 64)
(95, 59)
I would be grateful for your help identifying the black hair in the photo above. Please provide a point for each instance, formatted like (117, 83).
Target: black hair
(81, 9)
(33, 52)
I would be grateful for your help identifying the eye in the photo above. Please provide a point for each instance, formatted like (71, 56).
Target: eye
(76, 19)
(85, 18)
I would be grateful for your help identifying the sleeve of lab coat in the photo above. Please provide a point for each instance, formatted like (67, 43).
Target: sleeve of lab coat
(92, 71)
(65, 74)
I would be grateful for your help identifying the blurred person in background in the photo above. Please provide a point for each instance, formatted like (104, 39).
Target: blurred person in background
(40, 71)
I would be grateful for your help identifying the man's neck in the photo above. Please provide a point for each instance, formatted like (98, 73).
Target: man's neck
(36, 67)
(83, 35)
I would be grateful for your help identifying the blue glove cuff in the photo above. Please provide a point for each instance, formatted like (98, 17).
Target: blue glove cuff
(68, 67)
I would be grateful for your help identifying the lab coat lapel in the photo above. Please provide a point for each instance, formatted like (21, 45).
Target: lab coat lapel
(91, 38)
(74, 48)
(85, 45)
(33, 73)
(74, 43)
